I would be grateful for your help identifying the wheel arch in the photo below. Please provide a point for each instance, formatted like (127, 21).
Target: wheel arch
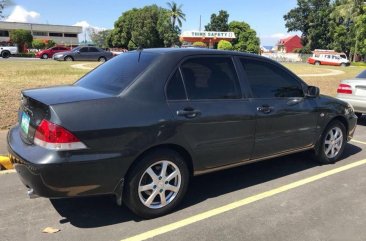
(174, 147)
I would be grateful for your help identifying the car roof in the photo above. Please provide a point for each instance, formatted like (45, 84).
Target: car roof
(189, 51)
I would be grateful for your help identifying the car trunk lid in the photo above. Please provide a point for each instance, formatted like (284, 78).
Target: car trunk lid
(36, 105)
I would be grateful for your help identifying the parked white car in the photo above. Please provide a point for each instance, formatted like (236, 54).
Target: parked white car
(353, 91)
(6, 51)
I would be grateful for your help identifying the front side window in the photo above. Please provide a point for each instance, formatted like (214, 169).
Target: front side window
(84, 50)
(269, 81)
(210, 78)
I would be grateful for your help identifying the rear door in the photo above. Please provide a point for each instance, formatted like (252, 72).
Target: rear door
(205, 97)
(286, 119)
(93, 53)
(82, 54)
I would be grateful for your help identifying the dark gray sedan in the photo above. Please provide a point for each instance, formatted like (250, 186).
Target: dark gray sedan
(85, 53)
(141, 125)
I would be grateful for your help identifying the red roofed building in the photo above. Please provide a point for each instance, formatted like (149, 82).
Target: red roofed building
(289, 44)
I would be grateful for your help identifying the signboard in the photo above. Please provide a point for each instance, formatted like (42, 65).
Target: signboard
(208, 34)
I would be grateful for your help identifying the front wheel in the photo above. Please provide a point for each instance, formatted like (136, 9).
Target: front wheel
(343, 65)
(317, 63)
(102, 59)
(156, 184)
(331, 144)
(69, 58)
(44, 56)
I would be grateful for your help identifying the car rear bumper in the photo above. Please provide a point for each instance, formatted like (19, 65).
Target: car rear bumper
(55, 174)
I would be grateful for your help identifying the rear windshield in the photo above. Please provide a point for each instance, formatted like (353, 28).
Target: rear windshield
(362, 75)
(116, 74)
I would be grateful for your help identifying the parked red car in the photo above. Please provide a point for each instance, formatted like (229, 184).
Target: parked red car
(48, 53)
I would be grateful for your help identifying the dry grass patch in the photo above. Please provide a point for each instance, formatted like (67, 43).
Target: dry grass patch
(18, 75)
(327, 84)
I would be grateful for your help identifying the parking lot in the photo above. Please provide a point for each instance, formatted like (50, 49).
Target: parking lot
(287, 198)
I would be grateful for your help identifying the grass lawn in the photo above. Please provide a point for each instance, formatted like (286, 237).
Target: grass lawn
(18, 75)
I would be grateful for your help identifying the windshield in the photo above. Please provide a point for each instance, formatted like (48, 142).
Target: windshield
(115, 75)
(362, 75)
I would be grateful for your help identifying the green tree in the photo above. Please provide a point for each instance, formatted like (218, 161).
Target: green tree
(38, 44)
(148, 27)
(311, 17)
(218, 22)
(50, 43)
(224, 45)
(176, 13)
(246, 38)
(99, 38)
(22, 38)
(4, 4)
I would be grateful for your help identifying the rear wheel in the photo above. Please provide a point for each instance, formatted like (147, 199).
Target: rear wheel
(102, 59)
(69, 58)
(332, 143)
(156, 184)
(343, 65)
(44, 56)
(317, 63)
(5, 54)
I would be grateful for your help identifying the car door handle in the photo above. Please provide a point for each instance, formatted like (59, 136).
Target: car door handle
(265, 109)
(294, 101)
(188, 113)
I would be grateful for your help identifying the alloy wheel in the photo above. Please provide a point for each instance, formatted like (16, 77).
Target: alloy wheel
(333, 142)
(159, 184)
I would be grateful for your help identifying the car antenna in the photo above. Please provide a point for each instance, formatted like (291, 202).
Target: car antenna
(139, 48)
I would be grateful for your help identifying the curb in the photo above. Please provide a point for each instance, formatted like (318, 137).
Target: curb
(5, 162)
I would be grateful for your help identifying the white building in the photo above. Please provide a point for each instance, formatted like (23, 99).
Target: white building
(61, 34)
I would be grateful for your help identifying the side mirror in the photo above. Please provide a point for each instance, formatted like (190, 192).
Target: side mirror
(312, 92)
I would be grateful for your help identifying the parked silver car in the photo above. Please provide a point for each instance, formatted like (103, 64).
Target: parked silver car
(85, 53)
(353, 91)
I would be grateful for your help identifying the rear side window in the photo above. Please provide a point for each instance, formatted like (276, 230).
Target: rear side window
(210, 78)
(116, 74)
(269, 81)
(92, 49)
(175, 88)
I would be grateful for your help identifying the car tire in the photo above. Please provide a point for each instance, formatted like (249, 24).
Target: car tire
(358, 114)
(146, 185)
(5, 54)
(102, 59)
(44, 56)
(317, 63)
(331, 144)
(343, 65)
(69, 58)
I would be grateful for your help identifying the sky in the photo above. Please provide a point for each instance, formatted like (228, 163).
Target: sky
(264, 16)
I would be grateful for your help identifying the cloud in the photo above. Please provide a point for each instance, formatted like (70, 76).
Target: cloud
(86, 28)
(20, 14)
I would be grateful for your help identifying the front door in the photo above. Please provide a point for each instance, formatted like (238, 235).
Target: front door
(286, 119)
(215, 119)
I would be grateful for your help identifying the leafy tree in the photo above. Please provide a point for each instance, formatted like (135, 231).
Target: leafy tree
(50, 43)
(246, 38)
(99, 38)
(224, 45)
(3, 5)
(22, 38)
(38, 44)
(360, 43)
(148, 27)
(218, 22)
(311, 17)
(176, 13)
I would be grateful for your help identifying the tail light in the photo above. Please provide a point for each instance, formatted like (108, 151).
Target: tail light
(344, 89)
(55, 137)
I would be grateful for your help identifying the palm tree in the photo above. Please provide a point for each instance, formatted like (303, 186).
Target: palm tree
(176, 13)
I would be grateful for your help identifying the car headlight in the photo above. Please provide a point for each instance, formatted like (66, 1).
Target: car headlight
(349, 110)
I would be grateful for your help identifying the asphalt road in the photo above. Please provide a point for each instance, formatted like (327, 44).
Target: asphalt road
(330, 208)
